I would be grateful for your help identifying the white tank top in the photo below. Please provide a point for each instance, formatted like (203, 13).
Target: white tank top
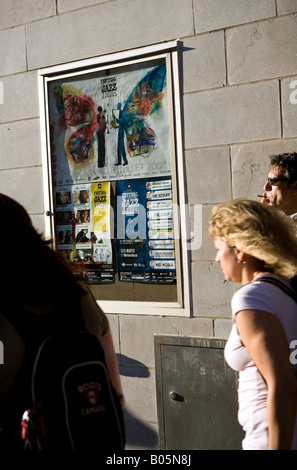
(252, 391)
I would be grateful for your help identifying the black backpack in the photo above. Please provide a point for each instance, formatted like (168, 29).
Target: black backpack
(73, 405)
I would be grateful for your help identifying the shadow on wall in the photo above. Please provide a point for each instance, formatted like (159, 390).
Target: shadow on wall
(131, 368)
(139, 435)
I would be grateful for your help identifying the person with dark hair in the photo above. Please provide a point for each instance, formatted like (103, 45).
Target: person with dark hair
(83, 196)
(81, 237)
(280, 189)
(40, 293)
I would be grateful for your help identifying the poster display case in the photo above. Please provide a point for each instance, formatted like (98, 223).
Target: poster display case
(113, 177)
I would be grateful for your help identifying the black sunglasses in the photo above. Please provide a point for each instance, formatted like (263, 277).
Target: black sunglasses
(274, 181)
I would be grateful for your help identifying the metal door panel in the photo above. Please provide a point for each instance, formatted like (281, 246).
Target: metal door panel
(196, 395)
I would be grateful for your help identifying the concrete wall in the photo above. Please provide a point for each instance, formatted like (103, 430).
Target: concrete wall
(239, 75)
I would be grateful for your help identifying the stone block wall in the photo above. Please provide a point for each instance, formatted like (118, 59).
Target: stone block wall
(239, 86)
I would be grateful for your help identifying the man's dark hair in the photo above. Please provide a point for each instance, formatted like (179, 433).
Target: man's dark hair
(287, 161)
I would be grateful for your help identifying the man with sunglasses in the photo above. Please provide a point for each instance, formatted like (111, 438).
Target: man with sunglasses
(280, 189)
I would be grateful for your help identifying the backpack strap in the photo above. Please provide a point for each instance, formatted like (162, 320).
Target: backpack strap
(289, 291)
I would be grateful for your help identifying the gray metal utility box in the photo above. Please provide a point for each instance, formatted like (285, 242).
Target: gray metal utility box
(196, 395)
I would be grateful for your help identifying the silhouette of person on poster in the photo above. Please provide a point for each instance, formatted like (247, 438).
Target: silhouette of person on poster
(101, 128)
(121, 137)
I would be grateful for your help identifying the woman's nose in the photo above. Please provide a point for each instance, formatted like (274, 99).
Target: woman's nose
(267, 186)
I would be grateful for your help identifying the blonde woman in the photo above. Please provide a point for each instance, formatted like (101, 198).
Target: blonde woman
(254, 241)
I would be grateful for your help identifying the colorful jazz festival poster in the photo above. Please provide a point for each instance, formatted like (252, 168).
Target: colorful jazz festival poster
(110, 125)
(83, 229)
(145, 232)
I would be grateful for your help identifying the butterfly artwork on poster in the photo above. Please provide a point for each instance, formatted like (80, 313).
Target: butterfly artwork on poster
(111, 124)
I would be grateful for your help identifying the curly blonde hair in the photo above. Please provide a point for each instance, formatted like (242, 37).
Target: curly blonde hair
(260, 231)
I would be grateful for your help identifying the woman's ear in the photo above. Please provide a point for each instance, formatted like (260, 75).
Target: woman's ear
(239, 255)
